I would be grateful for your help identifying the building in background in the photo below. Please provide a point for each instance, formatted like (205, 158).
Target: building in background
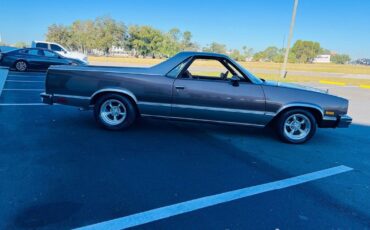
(324, 58)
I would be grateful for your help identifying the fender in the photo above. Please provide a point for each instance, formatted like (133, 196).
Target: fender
(304, 105)
(114, 90)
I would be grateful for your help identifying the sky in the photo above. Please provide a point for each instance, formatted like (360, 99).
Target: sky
(339, 25)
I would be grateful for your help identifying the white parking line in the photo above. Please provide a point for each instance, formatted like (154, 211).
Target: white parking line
(10, 75)
(22, 104)
(3, 77)
(26, 74)
(24, 81)
(23, 89)
(192, 205)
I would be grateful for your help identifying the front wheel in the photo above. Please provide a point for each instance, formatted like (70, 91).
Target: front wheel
(114, 112)
(21, 66)
(296, 126)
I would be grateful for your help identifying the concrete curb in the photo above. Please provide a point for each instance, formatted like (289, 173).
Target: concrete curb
(3, 76)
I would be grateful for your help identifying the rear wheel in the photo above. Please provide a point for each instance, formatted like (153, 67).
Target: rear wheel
(296, 126)
(114, 112)
(21, 66)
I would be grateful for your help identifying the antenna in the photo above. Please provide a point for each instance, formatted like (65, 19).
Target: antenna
(283, 70)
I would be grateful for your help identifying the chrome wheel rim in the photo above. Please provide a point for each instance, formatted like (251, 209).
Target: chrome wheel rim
(297, 126)
(21, 66)
(113, 112)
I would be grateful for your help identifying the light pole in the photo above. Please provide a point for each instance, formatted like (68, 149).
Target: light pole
(283, 70)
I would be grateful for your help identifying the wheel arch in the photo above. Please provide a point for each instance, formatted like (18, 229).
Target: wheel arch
(316, 111)
(126, 93)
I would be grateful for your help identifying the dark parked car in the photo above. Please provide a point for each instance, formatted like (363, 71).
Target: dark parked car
(181, 88)
(34, 59)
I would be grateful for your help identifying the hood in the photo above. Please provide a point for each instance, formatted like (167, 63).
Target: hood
(75, 55)
(295, 86)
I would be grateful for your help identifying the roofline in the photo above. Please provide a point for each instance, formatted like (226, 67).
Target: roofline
(210, 54)
(45, 42)
(35, 48)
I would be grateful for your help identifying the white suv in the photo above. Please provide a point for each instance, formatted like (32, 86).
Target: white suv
(60, 50)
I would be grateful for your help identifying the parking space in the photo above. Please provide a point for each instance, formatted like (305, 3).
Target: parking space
(58, 170)
(22, 88)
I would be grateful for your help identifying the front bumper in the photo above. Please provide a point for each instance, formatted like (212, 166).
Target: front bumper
(47, 98)
(344, 121)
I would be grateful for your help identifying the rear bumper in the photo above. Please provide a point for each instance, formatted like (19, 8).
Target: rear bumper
(77, 101)
(47, 98)
(343, 121)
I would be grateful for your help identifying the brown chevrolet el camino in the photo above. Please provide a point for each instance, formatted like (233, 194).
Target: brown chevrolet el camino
(192, 86)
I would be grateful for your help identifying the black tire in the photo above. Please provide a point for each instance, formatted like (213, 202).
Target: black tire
(286, 129)
(21, 66)
(107, 121)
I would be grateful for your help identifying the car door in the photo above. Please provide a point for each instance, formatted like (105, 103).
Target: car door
(59, 50)
(35, 58)
(205, 91)
(52, 58)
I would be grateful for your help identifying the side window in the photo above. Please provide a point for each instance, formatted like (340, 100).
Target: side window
(42, 45)
(55, 47)
(50, 54)
(175, 72)
(207, 69)
(23, 51)
(36, 52)
(234, 71)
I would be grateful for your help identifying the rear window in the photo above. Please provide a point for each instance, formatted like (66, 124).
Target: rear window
(42, 45)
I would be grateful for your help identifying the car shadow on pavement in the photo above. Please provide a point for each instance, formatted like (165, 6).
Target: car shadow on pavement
(82, 174)
(73, 165)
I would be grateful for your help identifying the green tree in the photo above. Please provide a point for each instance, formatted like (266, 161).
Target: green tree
(109, 33)
(101, 33)
(187, 43)
(324, 51)
(145, 40)
(247, 52)
(20, 45)
(271, 53)
(236, 55)
(171, 43)
(306, 51)
(59, 34)
(215, 47)
(340, 58)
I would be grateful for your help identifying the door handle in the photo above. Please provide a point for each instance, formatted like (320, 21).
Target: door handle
(180, 87)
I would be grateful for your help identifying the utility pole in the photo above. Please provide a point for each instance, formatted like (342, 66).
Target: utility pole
(283, 70)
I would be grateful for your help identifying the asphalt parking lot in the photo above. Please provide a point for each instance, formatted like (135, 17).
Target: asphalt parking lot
(58, 170)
